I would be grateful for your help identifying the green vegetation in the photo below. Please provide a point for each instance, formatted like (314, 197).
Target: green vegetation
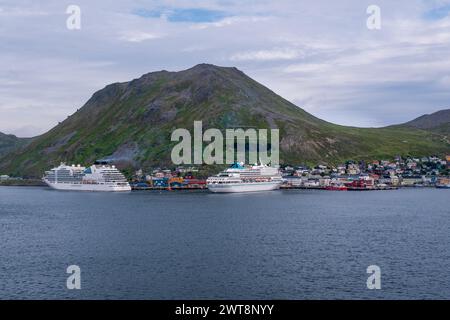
(9, 143)
(132, 123)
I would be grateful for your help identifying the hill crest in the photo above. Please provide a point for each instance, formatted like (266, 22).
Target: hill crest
(131, 122)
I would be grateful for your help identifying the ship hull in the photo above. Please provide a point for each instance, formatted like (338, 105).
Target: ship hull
(243, 187)
(88, 187)
(336, 188)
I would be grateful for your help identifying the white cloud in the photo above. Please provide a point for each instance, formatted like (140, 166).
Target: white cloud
(267, 55)
(318, 54)
(228, 21)
(445, 82)
(138, 36)
(21, 12)
(307, 68)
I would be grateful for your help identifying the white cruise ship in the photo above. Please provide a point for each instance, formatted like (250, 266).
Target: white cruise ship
(98, 177)
(238, 178)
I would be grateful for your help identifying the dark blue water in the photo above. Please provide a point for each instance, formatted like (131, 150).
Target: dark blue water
(185, 245)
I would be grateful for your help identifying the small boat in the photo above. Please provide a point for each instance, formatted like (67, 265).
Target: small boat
(336, 188)
(443, 183)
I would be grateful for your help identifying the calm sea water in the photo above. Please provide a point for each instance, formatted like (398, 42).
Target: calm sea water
(197, 245)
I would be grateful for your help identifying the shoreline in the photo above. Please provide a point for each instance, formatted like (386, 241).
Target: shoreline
(22, 183)
(38, 183)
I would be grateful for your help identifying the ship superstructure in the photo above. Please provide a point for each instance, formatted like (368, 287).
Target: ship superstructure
(240, 178)
(98, 177)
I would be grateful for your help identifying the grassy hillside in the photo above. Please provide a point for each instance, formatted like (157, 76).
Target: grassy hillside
(131, 123)
(10, 143)
(431, 121)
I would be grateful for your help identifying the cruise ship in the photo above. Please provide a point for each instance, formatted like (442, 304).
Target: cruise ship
(443, 183)
(239, 178)
(98, 177)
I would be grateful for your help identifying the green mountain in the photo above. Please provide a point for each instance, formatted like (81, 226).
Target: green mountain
(131, 123)
(10, 143)
(430, 121)
(438, 122)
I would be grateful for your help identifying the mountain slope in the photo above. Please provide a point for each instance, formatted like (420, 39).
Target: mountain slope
(438, 121)
(10, 143)
(131, 123)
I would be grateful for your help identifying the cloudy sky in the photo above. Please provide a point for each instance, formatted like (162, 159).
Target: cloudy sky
(318, 54)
